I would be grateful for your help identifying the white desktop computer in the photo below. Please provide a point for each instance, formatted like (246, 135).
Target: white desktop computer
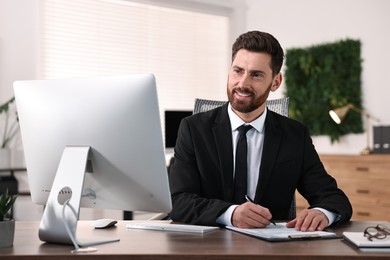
(92, 142)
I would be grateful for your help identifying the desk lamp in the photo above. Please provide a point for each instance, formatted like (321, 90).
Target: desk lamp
(338, 115)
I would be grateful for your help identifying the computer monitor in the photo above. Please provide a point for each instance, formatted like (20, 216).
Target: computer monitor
(106, 127)
(172, 119)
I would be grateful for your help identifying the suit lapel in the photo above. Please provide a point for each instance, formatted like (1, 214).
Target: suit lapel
(223, 139)
(272, 140)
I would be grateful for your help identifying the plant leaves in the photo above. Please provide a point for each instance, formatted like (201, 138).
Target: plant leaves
(323, 77)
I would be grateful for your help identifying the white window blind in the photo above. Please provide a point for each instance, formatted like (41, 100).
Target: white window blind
(187, 50)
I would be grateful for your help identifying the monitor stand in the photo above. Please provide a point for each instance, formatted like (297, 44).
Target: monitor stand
(59, 220)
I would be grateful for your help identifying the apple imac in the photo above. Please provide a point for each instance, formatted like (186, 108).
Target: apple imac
(92, 142)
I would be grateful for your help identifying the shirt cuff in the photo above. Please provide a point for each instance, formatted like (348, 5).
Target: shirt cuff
(225, 218)
(332, 217)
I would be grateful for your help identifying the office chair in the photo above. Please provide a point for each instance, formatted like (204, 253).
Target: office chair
(279, 106)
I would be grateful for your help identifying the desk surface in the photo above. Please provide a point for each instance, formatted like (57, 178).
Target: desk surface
(149, 244)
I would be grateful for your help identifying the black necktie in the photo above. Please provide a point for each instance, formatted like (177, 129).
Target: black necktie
(240, 178)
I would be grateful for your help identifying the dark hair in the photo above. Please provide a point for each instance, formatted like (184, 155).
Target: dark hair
(261, 42)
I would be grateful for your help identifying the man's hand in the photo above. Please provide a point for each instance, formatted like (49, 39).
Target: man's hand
(250, 215)
(309, 220)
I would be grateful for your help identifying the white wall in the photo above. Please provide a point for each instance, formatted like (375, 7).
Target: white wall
(302, 23)
(17, 43)
(296, 23)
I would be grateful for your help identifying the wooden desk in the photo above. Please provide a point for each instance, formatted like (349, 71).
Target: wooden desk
(148, 244)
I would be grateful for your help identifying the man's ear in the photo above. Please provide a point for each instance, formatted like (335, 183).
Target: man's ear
(277, 81)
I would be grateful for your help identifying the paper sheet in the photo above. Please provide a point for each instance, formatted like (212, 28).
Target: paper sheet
(280, 232)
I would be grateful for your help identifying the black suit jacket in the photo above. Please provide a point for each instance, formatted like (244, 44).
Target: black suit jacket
(201, 177)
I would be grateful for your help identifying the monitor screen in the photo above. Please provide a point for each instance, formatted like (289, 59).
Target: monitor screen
(172, 123)
(117, 117)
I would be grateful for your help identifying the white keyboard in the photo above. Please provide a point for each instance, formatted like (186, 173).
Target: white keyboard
(164, 226)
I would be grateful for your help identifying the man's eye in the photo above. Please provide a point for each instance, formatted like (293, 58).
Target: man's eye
(258, 75)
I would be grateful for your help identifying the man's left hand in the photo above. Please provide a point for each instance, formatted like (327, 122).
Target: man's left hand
(309, 220)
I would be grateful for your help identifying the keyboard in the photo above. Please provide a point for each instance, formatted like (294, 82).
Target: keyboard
(166, 226)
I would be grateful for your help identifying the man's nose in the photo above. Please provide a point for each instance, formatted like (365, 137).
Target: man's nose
(244, 80)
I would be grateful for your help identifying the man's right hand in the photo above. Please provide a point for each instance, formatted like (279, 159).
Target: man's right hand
(250, 215)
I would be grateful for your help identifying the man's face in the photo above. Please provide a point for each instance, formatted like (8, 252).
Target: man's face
(249, 82)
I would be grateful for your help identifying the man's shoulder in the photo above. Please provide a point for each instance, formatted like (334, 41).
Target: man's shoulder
(283, 120)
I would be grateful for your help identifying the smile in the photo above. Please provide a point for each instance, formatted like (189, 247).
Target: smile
(242, 94)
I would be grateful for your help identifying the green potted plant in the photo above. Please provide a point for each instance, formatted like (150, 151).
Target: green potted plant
(8, 132)
(7, 226)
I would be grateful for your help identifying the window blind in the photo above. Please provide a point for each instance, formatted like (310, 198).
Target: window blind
(187, 50)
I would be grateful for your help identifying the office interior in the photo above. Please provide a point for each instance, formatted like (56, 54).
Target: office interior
(298, 23)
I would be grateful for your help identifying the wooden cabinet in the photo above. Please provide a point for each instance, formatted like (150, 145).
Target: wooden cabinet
(366, 181)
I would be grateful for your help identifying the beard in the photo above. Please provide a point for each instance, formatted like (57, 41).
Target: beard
(247, 106)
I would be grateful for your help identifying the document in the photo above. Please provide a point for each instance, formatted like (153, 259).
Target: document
(358, 239)
(280, 232)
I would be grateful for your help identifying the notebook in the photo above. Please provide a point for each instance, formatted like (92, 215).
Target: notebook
(280, 232)
(168, 226)
(358, 239)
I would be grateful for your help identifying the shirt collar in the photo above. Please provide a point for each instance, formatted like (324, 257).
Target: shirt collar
(236, 121)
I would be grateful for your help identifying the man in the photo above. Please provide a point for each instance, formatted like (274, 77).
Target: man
(281, 157)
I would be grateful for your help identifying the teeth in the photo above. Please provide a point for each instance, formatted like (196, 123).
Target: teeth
(243, 94)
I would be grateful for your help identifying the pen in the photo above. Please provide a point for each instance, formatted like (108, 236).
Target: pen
(250, 200)
(304, 236)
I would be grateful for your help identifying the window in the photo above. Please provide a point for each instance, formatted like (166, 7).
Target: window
(187, 49)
